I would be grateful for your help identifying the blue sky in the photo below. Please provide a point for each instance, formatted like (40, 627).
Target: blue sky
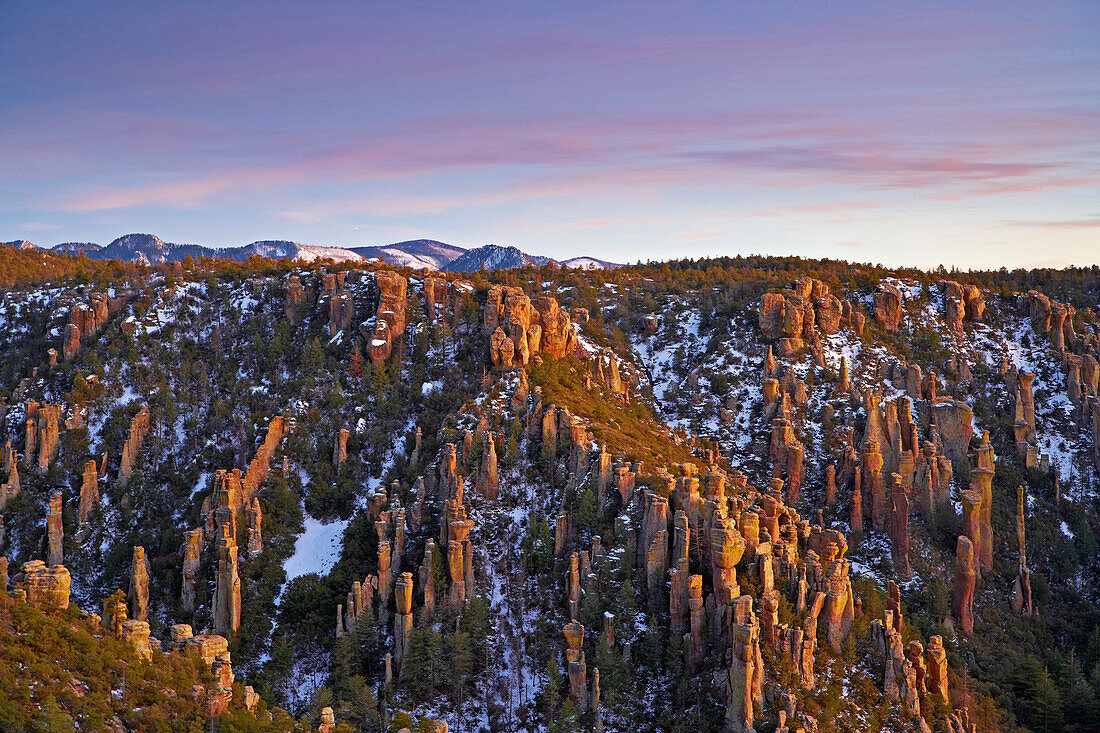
(915, 133)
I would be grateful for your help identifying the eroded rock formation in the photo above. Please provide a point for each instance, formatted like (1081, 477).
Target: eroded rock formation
(139, 427)
(227, 593)
(389, 325)
(55, 530)
(139, 587)
(887, 306)
(521, 327)
(966, 575)
(44, 586)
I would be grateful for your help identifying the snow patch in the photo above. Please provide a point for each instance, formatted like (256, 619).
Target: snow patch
(317, 549)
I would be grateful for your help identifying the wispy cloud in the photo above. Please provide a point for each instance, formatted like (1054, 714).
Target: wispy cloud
(1087, 223)
(302, 217)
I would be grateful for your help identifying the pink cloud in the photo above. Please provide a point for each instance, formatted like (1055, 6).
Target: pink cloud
(1091, 223)
(302, 217)
(561, 156)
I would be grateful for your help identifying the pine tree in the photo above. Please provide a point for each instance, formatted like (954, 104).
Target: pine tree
(551, 692)
(342, 667)
(461, 662)
(355, 366)
(424, 669)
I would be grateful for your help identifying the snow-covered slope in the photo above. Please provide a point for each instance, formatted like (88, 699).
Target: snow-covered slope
(494, 257)
(415, 253)
(590, 263)
(21, 244)
(76, 248)
(337, 254)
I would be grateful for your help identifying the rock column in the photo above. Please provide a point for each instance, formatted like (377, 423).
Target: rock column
(139, 586)
(89, 490)
(577, 669)
(487, 482)
(55, 530)
(698, 619)
(402, 627)
(966, 574)
(1021, 589)
(745, 676)
(982, 482)
(899, 535)
(340, 448)
(227, 594)
(936, 680)
(192, 545)
(139, 426)
(255, 529)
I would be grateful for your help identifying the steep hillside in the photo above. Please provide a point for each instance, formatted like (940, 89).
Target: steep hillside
(753, 494)
(63, 671)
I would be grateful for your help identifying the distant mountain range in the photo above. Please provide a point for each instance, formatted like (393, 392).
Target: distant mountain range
(415, 253)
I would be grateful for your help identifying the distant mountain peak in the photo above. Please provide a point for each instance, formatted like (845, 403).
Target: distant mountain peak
(21, 244)
(495, 257)
(414, 253)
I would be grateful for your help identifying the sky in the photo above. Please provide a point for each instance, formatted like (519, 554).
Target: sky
(903, 133)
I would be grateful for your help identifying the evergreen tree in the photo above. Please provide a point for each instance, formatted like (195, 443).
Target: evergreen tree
(424, 668)
(551, 692)
(461, 662)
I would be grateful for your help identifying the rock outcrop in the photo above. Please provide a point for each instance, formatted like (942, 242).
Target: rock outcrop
(44, 586)
(887, 306)
(336, 302)
(86, 321)
(801, 314)
(139, 426)
(955, 427)
(89, 491)
(293, 294)
(961, 302)
(390, 317)
(576, 668)
(521, 327)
